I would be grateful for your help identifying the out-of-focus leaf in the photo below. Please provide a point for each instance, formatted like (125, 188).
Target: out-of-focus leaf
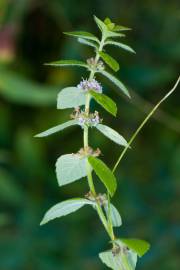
(10, 191)
(30, 154)
(17, 89)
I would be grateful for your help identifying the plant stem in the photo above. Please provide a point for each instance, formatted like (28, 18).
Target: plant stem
(107, 224)
(144, 122)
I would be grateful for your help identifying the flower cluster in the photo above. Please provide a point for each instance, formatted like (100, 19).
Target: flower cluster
(84, 119)
(88, 151)
(87, 85)
(100, 198)
(93, 65)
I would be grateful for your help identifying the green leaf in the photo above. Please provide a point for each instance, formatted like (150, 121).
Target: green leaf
(114, 27)
(104, 173)
(64, 208)
(120, 45)
(137, 245)
(57, 128)
(112, 134)
(100, 24)
(82, 34)
(114, 215)
(117, 82)
(112, 34)
(70, 97)
(121, 28)
(61, 63)
(107, 103)
(106, 29)
(119, 261)
(110, 61)
(70, 168)
(87, 42)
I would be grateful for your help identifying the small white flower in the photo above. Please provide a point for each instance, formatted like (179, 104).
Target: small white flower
(87, 85)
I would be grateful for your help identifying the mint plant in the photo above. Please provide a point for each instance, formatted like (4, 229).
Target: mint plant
(124, 252)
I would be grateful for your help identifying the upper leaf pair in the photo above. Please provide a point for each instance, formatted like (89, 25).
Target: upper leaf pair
(105, 130)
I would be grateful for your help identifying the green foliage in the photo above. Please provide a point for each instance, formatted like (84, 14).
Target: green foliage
(112, 134)
(109, 29)
(137, 245)
(104, 174)
(88, 42)
(114, 215)
(119, 261)
(70, 168)
(62, 63)
(120, 45)
(64, 208)
(57, 128)
(110, 61)
(19, 90)
(117, 82)
(82, 34)
(27, 180)
(107, 103)
(70, 97)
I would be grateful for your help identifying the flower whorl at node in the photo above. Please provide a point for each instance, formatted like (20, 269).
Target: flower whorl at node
(88, 151)
(87, 85)
(100, 198)
(95, 66)
(84, 119)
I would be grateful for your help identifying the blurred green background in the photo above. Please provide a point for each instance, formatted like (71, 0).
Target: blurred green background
(149, 186)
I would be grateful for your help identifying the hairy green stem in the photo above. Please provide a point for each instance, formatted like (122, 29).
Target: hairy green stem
(107, 224)
(144, 122)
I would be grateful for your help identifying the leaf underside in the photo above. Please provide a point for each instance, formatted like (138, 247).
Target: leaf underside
(112, 134)
(119, 261)
(69, 168)
(57, 128)
(64, 208)
(70, 97)
(116, 81)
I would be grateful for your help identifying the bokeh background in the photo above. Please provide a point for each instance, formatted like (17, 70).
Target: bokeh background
(149, 187)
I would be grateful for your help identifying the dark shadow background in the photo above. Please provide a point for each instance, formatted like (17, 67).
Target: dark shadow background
(149, 187)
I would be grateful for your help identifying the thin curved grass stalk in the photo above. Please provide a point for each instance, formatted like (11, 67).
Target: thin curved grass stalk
(144, 122)
(124, 252)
